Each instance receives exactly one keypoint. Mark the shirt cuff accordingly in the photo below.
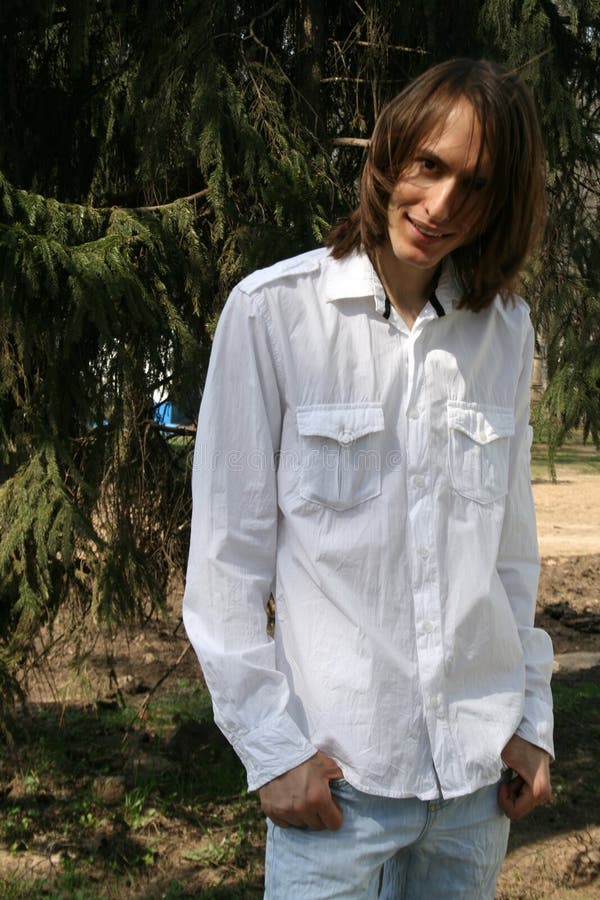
(271, 750)
(537, 725)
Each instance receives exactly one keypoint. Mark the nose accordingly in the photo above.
(441, 201)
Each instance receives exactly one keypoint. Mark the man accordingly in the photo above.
(363, 454)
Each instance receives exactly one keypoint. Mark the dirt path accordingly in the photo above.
(554, 854)
(568, 514)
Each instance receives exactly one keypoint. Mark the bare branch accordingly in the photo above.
(196, 196)
(357, 79)
(350, 142)
(141, 711)
(400, 47)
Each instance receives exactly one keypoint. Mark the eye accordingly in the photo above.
(428, 164)
(475, 185)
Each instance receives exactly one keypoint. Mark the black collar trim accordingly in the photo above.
(433, 300)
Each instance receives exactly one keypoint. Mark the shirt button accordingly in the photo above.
(481, 437)
(423, 552)
(427, 627)
(345, 437)
(413, 413)
(419, 481)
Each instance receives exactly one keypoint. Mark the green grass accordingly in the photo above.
(121, 851)
(66, 885)
(573, 701)
(199, 790)
(574, 456)
(184, 700)
(577, 737)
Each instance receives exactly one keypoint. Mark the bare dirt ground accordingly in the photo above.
(153, 807)
(568, 514)
(555, 853)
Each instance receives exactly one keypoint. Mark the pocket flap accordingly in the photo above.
(483, 424)
(340, 422)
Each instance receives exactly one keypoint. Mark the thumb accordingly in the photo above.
(329, 768)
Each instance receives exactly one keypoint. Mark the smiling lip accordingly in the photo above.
(426, 232)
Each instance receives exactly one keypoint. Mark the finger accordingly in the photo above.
(301, 822)
(314, 822)
(330, 768)
(306, 815)
(283, 817)
(542, 788)
(508, 792)
(523, 805)
(326, 813)
(516, 798)
(331, 814)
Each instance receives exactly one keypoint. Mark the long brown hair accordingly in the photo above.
(514, 199)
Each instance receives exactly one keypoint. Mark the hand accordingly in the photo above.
(301, 797)
(531, 786)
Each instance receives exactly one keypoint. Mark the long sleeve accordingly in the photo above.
(518, 567)
(231, 566)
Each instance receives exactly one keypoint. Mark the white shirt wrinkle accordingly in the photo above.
(377, 481)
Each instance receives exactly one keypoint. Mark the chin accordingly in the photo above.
(419, 261)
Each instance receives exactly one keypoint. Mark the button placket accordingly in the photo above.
(421, 524)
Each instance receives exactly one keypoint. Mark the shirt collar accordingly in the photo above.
(354, 278)
(351, 278)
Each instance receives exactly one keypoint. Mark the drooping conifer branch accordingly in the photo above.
(106, 308)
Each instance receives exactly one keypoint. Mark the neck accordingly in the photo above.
(408, 287)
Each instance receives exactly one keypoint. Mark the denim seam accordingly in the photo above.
(431, 815)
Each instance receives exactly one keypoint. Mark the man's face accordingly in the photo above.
(436, 206)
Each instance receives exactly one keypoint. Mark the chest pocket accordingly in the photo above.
(479, 449)
(341, 453)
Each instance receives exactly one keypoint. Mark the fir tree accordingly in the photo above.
(556, 46)
(182, 160)
(154, 153)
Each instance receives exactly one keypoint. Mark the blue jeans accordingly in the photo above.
(392, 850)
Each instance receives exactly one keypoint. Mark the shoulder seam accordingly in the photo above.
(261, 278)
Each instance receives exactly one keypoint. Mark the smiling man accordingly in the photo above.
(374, 395)
(434, 208)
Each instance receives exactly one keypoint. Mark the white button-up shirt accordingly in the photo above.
(376, 480)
